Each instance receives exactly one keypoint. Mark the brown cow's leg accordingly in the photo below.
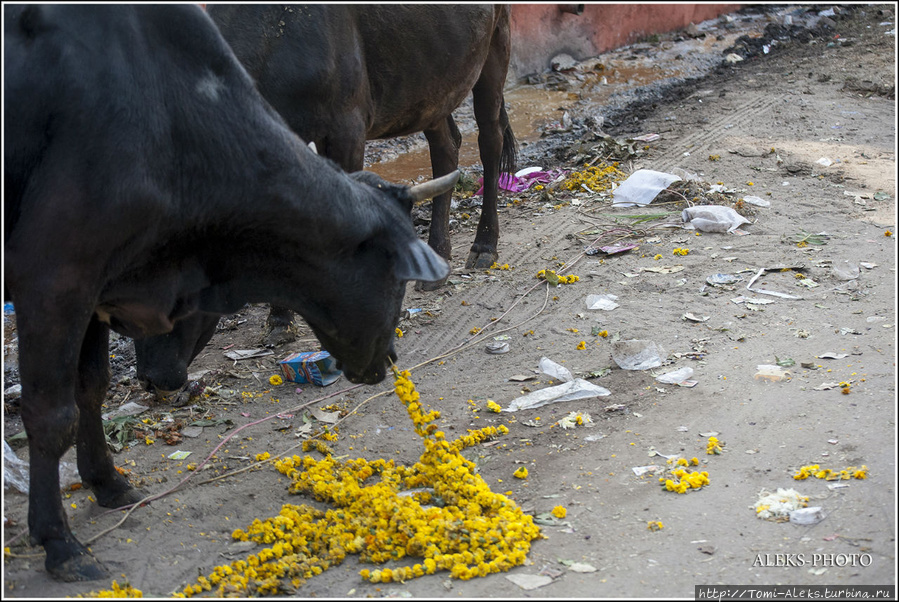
(94, 460)
(50, 417)
(444, 141)
(493, 125)
(277, 327)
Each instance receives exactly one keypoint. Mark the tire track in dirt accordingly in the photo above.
(707, 135)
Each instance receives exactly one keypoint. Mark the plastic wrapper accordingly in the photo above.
(637, 355)
(712, 218)
(570, 391)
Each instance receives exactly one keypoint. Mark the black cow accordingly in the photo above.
(146, 181)
(341, 74)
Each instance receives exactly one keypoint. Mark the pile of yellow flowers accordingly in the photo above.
(469, 530)
(554, 279)
(597, 179)
(685, 479)
(714, 446)
(117, 591)
(680, 251)
(816, 471)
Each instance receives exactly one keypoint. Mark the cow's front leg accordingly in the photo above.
(94, 460)
(444, 141)
(50, 417)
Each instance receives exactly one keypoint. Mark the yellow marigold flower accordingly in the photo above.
(581, 346)
(493, 406)
(713, 446)
(887, 233)
(521, 473)
(399, 333)
(559, 512)
(861, 473)
(658, 256)
(275, 380)
(655, 525)
(474, 330)
(263, 456)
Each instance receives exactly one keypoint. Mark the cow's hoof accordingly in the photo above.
(429, 286)
(118, 496)
(481, 260)
(278, 335)
(71, 561)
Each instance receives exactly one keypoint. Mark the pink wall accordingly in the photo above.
(541, 31)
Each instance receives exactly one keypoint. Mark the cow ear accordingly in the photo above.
(418, 261)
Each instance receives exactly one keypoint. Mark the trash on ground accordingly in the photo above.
(570, 391)
(673, 269)
(497, 347)
(712, 218)
(179, 455)
(246, 354)
(581, 567)
(827, 386)
(723, 279)
(129, 409)
(642, 470)
(825, 161)
(612, 249)
(16, 473)
(805, 238)
(757, 201)
(751, 300)
(641, 188)
(595, 437)
(529, 582)
(317, 367)
(676, 377)
(767, 292)
(637, 355)
(575, 419)
(772, 373)
(604, 302)
(519, 378)
(557, 371)
(807, 516)
(694, 318)
(778, 506)
(846, 271)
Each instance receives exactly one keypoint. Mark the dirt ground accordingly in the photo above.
(760, 127)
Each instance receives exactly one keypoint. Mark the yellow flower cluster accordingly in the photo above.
(399, 333)
(560, 512)
(714, 446)
(814, 470)
(655, 525)
(679, 251)
(553, 278)
(493, 406)
(469, 530)
(275, 380)
(597, 179)
(521, 473)
(504, 267)
(581, 346)
(117, 591)
(688, 480)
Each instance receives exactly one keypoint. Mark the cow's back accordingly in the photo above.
(402, 68)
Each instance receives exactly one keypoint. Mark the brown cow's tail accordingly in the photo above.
(509, 157)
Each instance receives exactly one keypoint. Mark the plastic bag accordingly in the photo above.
(712, 218)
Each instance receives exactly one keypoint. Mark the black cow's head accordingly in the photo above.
(358, 301)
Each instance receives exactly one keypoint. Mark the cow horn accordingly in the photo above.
(435, 187)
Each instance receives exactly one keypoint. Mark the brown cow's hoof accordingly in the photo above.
(71, 561)
(482, 260)
(277, 336)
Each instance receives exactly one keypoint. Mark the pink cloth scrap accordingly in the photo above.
(514, 183)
